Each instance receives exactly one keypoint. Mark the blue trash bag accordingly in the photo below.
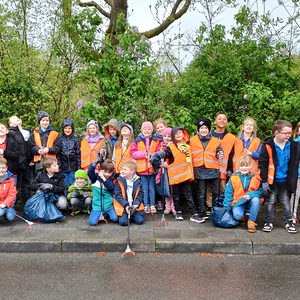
(218, 201)
(222, 217)
(163, 187)
(40, 208)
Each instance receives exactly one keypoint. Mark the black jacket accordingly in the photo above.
(69, 155)
(292, 173)
(11, 154)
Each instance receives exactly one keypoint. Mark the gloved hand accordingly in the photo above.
(75, 194)
(46, 187)
(266, 189)
(99, 159)
(131, 209)
(85, 194)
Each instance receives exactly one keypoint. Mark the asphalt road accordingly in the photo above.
(148, 276)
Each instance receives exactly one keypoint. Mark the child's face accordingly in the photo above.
(107, 173)
(93, 130)
(248, 127)
(160, 128)
(245, 169)
(179, 136)
(125, 131)
(3, 169)
(3, 130)
(127, 173)
(15, 121)
(68, 130)
(284, 135)
(112, 131)
(221, 121)
(80, 181)
(45, 122)
(54, 168)
(203, 130)
(167, 138)
(146, 131)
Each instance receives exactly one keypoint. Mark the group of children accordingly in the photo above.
(115, 175)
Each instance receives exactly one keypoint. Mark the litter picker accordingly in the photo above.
(128, 250)
(163, 219)
(13, 213)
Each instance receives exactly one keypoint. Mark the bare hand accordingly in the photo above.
(247, 197)
(2, 205)
(221, 154)
(247, 152)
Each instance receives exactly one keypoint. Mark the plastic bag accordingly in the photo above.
(40, 208)
(162, 186)
(222, 217)
(218, 201)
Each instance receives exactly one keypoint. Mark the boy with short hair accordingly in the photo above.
(129, 195)
(8, 191)
(278, 164)
(103, 188)
(51, 180)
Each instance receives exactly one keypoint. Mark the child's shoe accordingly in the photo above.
(251, 226)
(166, 211)
(74, 213)
(290, 227)
(208, 211)
(179, 216)
(153, 209)
(196, 218)
(204, 215)
(267, 227)
(147, 210)
(159, 205)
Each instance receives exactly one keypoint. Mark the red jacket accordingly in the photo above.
(8, 191)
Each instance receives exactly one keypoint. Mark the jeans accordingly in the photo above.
(138, 218)
(278, 189)
(95, 215)
(252, 205)
(69, 180)
(9, 216)
(151, 187)
(201, 191)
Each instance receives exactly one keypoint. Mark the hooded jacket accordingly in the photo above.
(107, 144)
(8, 190)
(11, 154)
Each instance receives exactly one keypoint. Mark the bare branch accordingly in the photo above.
(96, 5)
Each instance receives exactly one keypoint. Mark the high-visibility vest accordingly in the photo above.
(120, 157)
(180, 170)
(238, 189)
(50, 142)
(239, 152)
(119, 209)
(143, 164)
(207, 156)
(88, 155)
(226, 143)
(271, 167)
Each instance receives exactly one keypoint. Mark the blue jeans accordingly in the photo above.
(95, 215)
(151, 188)
(252, 205)
(9, 216)
(138, 218)
(69, 180)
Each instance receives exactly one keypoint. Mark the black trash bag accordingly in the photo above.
(162, 184)
(222, 217)
(40, 208)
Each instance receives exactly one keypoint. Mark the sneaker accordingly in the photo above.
(153, 209)
(196, 218)
(204, 215)
(208, 211)
(159, 205)
(290, 227)
(147, 209)
(179, 216)
(251, 226)
(267, 227)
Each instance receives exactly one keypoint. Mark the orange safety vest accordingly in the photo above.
(271, 167)
(207, 156)
(144, 164)
(119, 209)
(88, 155)
(180, 170)
(239, 152)
(120, 157)
(50, 142)
(226, 143)
(238, 189)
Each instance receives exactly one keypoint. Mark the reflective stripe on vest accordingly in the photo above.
(88, 155)
(227, 144)
(50, 142)
(271, 167)
(121, 158)
(143, 164)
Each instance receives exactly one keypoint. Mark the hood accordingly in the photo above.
(114, 123)
(186, 136)
(67, 122)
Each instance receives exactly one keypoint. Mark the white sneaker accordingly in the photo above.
(290, 227)
(267, 227)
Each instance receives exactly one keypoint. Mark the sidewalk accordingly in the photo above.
(75, 235)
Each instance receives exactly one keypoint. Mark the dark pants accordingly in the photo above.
(201, 192)
(186, 190)
(23, 183)
(278, 189)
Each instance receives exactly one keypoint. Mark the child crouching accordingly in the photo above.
(129, 195)
(103, 188)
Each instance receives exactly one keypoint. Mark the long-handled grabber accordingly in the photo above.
(13, 213)
(101, 218)
(163, 219)
(128, 250)
(148, 178)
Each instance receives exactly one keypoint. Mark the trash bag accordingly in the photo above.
(40, 208)
(218, 201)
(222, 217)
(162, 185)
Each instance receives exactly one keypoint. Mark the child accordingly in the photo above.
(80, 193)
(69, 155)
(122, 147)
(243, 192)
(90, 145)
(247, 144)
(180, 171)
(141, 150)
(45, 141)
(295, 196)
(278, 164)
(159, 126)
(103, 188)
(8, 191)
(50, 179)
(206, 150)
(112, 132)
(129, 195)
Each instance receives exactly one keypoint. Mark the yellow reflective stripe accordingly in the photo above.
(270, 176)
(85, 153)
(223, 170)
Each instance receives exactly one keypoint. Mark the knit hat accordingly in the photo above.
(167, 130)
(204, 121)
(81, 174)
(92, 122)
(147, 124)
(114, 123)
(42, 114)
(126, 125)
